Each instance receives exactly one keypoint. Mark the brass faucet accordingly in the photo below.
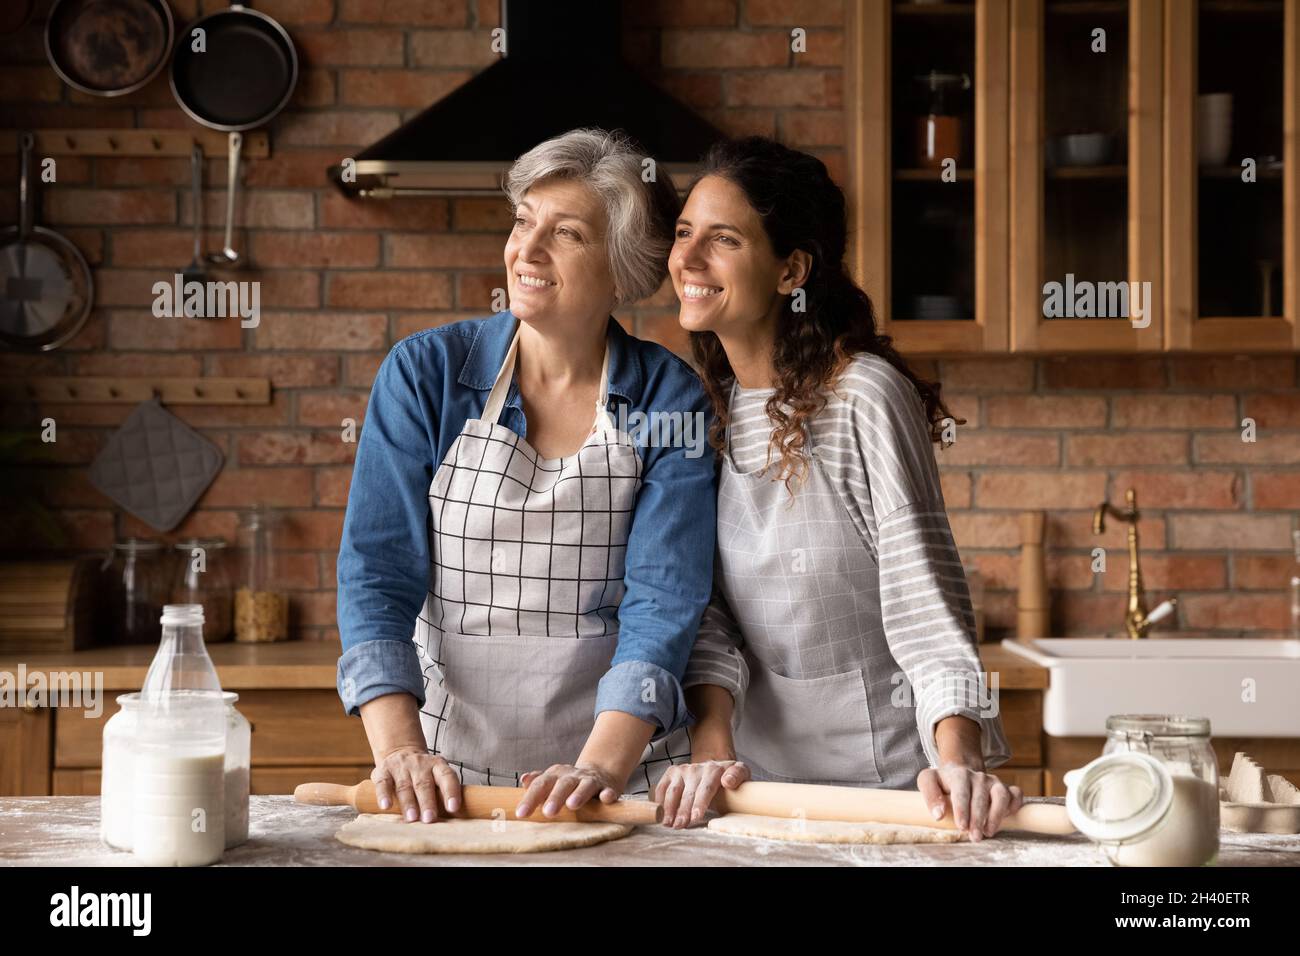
(1136, 620)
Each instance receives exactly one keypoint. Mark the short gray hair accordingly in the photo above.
(642, 215)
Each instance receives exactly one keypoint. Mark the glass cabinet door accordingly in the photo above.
(927, 96)
(1231, 172)
(1085, 192)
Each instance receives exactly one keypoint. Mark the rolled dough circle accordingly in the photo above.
(392, 834)
(799, 830)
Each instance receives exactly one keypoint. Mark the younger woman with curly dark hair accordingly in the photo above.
(840, 639)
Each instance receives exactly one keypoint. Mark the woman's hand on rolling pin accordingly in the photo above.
(686, 790)
(415, 776)
(565, 785)
(980, 800)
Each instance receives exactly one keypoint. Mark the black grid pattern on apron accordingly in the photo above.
(511, 597)
(517, 593)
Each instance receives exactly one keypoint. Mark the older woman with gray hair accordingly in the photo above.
(519, 580)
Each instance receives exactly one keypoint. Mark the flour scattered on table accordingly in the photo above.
(799, 830)
(390, 833)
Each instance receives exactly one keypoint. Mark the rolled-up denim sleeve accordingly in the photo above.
(668, 572)
(377, 667)
(383, 565)
(644, 690)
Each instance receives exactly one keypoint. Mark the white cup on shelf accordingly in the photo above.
(1213, 128)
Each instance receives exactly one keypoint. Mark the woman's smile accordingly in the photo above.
(694, 291)
(530, 282)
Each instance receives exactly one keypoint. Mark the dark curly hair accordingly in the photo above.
(801, 207)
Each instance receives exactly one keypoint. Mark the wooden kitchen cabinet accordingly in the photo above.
(286, 692)
(300, 732)
(1079, 166)
(931, 251)
(24, 750)
(1231, 247)
(1280, 755)
(294, 732)
(1085, 171)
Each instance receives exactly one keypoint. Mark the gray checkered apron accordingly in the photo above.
(804, 588)
(521, 619)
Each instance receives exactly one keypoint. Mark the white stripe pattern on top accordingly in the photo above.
(873, 442)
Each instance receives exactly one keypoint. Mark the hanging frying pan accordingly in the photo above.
(47, 286)
(108, 47)
(238, 73)
(14, 16)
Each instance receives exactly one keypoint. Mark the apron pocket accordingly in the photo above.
(520, 703)
(815, 730)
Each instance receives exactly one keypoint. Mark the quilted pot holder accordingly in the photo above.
(155, 466)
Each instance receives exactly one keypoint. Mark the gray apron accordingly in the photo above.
(804, 588)
(521, 619)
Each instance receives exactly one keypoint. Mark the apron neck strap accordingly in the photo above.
(726, 435)
(501, 387)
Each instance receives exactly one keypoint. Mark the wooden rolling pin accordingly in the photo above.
(482, 803)
(855, 805)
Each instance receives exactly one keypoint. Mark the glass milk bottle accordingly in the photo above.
(179, 813)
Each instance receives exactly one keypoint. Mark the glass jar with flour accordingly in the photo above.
(117, 780)
(1152, 797)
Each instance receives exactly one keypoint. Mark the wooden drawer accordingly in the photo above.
(303, 728)
(24, 751)
(1030, 782)
(1022, 721)
(85, 783)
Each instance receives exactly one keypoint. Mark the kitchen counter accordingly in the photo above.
(272, 666)
(312, 664)
(64, 831)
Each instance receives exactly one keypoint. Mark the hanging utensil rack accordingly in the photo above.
(135, 142)
(171, 391)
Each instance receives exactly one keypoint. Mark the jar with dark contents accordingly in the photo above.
(202, 577)
(136, 578)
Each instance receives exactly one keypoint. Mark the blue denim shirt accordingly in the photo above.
(425, 390)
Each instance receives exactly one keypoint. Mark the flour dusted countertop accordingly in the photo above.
(64, 831)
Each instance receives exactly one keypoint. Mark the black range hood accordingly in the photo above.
(562, 69)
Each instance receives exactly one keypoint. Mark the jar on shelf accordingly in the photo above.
(1152, 797)
(137, 580)
(203, 577)
(261, 605)
(117, 779)
(940, 130)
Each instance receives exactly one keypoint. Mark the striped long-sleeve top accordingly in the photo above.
(873, 442)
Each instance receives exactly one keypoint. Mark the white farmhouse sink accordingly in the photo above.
(1247, 687)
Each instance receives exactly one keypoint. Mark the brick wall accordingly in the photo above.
(343, 280)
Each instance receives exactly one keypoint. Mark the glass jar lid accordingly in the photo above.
(137, 545)
(1119, 796)
(207, 544)
(260, 516)
(136, 698)
(1157, 725)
